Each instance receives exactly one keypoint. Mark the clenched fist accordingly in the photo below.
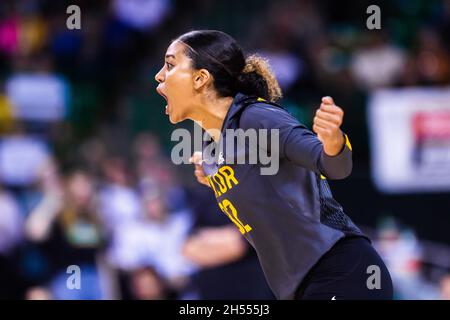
(327, 123)
(196, 159)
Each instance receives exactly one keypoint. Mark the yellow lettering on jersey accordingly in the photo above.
(227, 207)
(223, 180)
(228, 174)
(213, 186)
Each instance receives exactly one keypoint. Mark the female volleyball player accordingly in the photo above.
(307, 246)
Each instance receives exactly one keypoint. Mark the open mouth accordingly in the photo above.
(165, 97)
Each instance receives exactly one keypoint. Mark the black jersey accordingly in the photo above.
(290, 217)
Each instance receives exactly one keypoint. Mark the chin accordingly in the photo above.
(176, 118)
(172, 121)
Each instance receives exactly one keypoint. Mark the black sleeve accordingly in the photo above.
(297, 143)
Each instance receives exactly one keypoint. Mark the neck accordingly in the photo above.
(211, 114)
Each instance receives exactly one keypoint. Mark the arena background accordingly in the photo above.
(86, 179)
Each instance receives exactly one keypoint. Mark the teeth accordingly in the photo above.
(167, 112)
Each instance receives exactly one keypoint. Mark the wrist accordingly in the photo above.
(335, 147)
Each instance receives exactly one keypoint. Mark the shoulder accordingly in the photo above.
(265, 115)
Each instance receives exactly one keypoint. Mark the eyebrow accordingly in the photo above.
(170, 56)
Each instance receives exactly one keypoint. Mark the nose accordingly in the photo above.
(159, 76)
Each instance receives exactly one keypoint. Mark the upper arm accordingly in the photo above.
(296, 142)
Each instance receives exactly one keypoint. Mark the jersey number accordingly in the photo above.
(227, 207)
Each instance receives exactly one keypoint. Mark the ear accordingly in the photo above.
(201, 78)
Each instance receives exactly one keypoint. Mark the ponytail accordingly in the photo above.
(258, 79)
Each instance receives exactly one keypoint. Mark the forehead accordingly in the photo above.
(176, 50)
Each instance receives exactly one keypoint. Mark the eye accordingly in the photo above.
(169, 65)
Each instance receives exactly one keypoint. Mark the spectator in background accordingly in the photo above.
(154, 239)
(432, 59)
(286, 65)
(21, 157)
(43, 203)
(38, 95)
(154, 170)
(119, 202)
(377, 64)
(92, 153)
(147, 284)
(49, 203)
(74, 237)
(6, 114)
(11, 222)
(402, 253)
(142, 15)
(9, 35)
(150, 165)
(33, 33)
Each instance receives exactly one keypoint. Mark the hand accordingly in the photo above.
(199, 173)
(214, 246)
(327, 123)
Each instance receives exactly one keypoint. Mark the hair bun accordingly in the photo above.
(257, 76)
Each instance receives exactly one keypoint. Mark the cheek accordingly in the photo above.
(179, 84)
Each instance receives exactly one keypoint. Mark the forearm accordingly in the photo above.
(338, 166)
(215, 246)
(303, 148)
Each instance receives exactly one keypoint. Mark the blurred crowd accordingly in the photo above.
(127, 223)
(85, 173)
